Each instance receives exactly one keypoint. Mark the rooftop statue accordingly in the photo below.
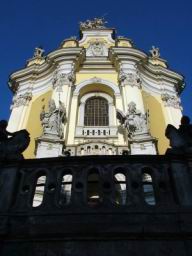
(155, 53)
(53, 119)
(133, 120)
(39, 51)
(180, 139)
(12, 144)
(96, 23)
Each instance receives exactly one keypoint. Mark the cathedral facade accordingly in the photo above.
(96, 95)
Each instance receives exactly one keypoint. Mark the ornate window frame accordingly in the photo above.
(81, 112)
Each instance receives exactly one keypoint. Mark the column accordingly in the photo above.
(72, 119)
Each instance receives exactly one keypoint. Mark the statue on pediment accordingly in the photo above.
(96, 23)
(38, 53)
(134, 120)
(155, 53)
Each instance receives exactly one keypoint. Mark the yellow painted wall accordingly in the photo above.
(112, 77)
(34, 124)
(157, 122)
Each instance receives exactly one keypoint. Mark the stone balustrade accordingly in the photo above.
(95, 197)
(96, 131)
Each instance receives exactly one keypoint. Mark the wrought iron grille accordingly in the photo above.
(96, 112)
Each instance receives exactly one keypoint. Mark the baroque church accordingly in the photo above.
(102, 98)
(95, 95)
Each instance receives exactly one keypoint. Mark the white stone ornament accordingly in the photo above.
(96, 80)
(155, 53)
(52, 121)
(63, 79)
(171, 101)
(134, 121)
(21, 100)
(97, 49)
(131, 79)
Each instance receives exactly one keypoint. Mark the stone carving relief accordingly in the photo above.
(134, 121)
(96, 23)
(171, 101)
(96, 80)
(21, 100)
(131, 79)
(63, 79)
(53, 120)
(97, 48)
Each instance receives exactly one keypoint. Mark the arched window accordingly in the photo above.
(149, 196)
(120, 188)
(65, 192)
(39, 191)
(96, 112)
(93, 188)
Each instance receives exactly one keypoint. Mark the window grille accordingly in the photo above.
(96, 112)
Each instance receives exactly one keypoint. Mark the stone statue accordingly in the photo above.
(53, 120)
(133, 120)
(96, 23)
(12, 144)
(155, 53)
(180, 139)
(38, 52)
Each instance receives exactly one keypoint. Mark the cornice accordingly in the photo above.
(117, 54)
(156, 72)
(72, 54)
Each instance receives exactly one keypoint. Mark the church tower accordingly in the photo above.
(96, 95)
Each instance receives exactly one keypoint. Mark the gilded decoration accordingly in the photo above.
(96, 23)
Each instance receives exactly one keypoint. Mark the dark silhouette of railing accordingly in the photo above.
(96, 197)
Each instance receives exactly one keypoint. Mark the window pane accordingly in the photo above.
(96, 112)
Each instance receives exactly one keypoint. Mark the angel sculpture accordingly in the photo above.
(134, 121)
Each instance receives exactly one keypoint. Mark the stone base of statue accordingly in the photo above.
(49, 146)
(143, 144)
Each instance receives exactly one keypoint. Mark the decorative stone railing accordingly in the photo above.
(95, 196)
(96, 131)
(166, 179)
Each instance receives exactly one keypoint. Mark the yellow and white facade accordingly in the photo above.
(98, 69)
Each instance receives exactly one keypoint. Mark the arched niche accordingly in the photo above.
(86, 97)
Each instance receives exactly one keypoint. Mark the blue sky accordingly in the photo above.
(27, 24)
